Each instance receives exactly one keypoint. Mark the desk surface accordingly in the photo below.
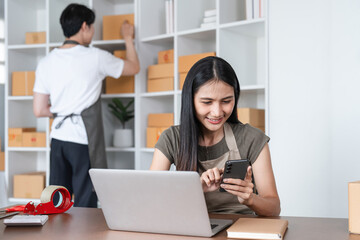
(89, 223)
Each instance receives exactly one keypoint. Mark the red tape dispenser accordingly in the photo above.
(46, 205)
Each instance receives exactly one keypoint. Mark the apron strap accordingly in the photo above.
(65, 117)
(231, 142)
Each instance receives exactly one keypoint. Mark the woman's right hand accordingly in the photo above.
(210, 180)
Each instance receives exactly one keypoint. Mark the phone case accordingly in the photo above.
(235, 169)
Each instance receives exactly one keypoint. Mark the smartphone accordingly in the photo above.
(235, 169)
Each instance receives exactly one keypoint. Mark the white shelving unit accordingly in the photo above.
(242, 42)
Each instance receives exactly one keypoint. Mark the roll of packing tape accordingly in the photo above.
(47, 206)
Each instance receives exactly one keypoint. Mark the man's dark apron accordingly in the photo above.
(92, 118)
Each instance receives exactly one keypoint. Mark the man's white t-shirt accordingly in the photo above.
(73, 79)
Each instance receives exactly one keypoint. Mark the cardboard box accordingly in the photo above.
(120, 54)
(51, 120)
(186, 62)
(161, 84)
(112, 25)
(124, 84)
(166, 56)
(165, 70)
(23, 83)
(182, 77)
(29, 185)
(34, 139)
(35, 37)
(354, 207)
(152, 135)
(160, 119)
(255, 117)
(2, 161)
(15, 136)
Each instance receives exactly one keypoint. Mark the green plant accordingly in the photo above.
(120, 111)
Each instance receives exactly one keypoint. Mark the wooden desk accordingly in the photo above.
(89, 223)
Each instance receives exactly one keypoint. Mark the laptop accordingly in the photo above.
(168, 202)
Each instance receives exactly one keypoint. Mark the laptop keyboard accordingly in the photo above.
(214, 226)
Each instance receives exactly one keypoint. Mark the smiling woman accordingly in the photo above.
(210, 134)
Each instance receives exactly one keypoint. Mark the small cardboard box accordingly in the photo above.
(166, 56)
(15, 136)
(182, 77)
(165, 70)
(255, 117)
(23, 83)
(161, 84)
(160, 119)
(112, 25)
(354, 207)
(29, 185)
(35, 37)
(186, 62)
(2, 161)
(120, 54)
(124, 84)
(152, 136)
(34, 139)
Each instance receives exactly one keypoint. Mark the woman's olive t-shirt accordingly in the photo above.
(250, 141)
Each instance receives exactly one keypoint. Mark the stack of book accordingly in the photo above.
(209, 19)
(169, 12)
(254, 9)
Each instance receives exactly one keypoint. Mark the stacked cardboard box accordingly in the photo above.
(2, 159)
(186, 62)
(161, 75)
(26, 137)
(29, 185)
(124, 84)
(157, 123)
(354, 207)
(254, 117)
(35, 37)
(22, 83)
(112, 25)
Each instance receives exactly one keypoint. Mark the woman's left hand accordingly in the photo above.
(243, 189)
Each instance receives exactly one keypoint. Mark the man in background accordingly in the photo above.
(70, 78)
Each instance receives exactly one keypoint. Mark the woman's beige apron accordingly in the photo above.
(223, 201)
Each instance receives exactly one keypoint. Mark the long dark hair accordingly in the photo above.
(203, 71)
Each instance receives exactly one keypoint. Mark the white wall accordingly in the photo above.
(314, 50)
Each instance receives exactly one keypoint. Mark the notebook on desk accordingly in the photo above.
(166, 202)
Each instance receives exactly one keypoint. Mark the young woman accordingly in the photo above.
(210, 134)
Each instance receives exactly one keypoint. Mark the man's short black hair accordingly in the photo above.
(73, 17)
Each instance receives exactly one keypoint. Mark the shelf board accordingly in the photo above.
(164, 38)
(20, 98)
(254, 27)
(157, 94)
(57, 44)
(27, 149)
(147, 149)
(247, 88)
(26, 46)
(116, 149)
(199, 33)
(23, 200)
(107, 42)
(252, 88)
(119, 95)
